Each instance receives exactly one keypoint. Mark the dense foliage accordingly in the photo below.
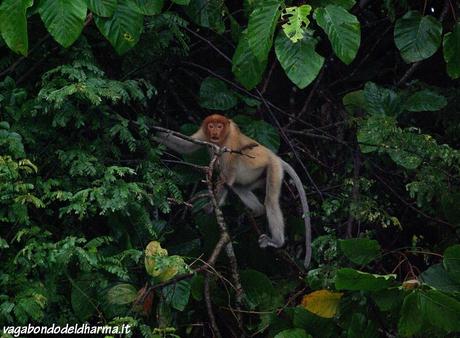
(100, 224)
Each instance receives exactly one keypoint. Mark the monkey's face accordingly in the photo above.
(216, 131)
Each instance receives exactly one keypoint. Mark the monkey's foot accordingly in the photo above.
(265, 241)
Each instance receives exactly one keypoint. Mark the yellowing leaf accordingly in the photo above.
(154, 249)
(323, 303)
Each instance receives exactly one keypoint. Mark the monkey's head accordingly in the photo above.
(216, 128)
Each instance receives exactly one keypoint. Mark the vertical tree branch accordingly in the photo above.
(228, 249)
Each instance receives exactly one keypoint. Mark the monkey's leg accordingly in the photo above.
(250, 200)
(272, 206)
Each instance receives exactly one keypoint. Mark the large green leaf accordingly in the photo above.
(343, 30)
(417, 37)
(437, 277)
(64, 19)
(177, 294)
(214, 94)
(451, 49)
(148, 7)
(315, 325)
(259, 290)
(13, 24)
(381, 101)
(123, 29)
(354, 280)
(440, 310)
(103, 8)
(207, 13)
(404, 158)
(410, 320)
(451, 262)
(361, 326)
(425, 100)
(360, 250)
(247, 69)
(421, 307)
(297, 21)
(299, 60)
(261, 27)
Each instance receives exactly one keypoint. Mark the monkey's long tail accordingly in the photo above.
(305, 208)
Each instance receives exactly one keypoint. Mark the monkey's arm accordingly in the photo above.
(180, 145)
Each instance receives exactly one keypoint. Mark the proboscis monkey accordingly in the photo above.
(243, 174)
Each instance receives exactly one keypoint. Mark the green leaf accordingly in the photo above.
(181, 2)
(451, 262)
(315, 325)
(388, 299)
(354, 280)
(123, 29)
(421, 307)
(381, 101)
(214, 94)
(261, 27)
(293, 333)
(404, 158)
(437, 277)
(360, 250)
(177, 294)
(343, 30)
(64, 19)
(245, 66)
(297, 21)
(13, 24)
(122, 294)
(451, 51)
(347, 4)
(417, 37)
(425, 100)
(440, 310)
(299, 60)
(148, 7)
(259, 290)
(103, 8)
(361, 326)
(207, 13)
(410, 320)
